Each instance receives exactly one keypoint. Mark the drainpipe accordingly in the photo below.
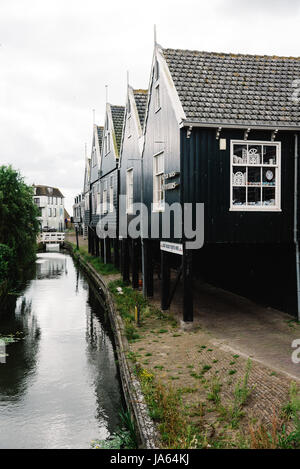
(296, 241)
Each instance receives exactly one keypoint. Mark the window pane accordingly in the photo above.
(254, 154)
(269, 177)
(239, 196)
(254, 176)
(254, 196)
(269, 156)
(239, 176)
(239, 154)
(268, 195)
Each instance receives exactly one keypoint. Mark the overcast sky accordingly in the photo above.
(57, 56)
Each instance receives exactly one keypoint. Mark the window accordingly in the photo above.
(158, 173)
(106, 138)
(98, 203)
(105, 197)
(129, 125)
(129, 191)
(54, 212)
(111, 195)
(255, 175)
(157, 98)
(37, 201)
(50, 212)
(94, 157)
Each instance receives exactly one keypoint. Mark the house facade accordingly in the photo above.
(108, 187)
(50, 202)
(130, 180)
(222, 136)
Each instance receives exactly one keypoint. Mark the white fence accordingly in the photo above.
(49, 237)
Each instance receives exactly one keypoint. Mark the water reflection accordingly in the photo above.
(59, 387)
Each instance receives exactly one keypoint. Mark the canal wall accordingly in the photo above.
(131, 387)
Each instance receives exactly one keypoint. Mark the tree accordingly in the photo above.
(18, 220)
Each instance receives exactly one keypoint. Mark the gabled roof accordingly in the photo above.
(235, 89)
(117, 113)
(140, 97)
(100, 135)
(47, 190)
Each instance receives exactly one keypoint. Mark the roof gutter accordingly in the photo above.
(214, 125)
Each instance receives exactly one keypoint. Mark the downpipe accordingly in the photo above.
(296, 241)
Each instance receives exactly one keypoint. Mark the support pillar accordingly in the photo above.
(148, 269)
(125, 260)
(165, 280)
(97, 251)
(107, 250)
(135, 263)
(187, 277)
(116, 252)
(102, 249)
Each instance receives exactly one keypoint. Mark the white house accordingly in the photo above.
(51, 205)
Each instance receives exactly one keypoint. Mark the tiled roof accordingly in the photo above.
(100, 135)
(117, 113)
(235, 89)
(47, 190)
(140, 97)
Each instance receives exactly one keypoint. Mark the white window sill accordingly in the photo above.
(255, 209)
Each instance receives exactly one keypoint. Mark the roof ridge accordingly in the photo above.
(231, 54)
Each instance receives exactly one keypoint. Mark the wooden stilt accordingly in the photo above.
(116, 253)
(148, 269)
(187, 276)
(102, 249)
(107, 250)
(165, 280)
(89, 240)
(97, 251)
(125, 260)
(135, 263)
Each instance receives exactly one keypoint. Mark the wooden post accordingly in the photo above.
(125, 260)
(77, 241)
(107, 250)
(148, 269)
(89, 240)
(135, 263)
(116, 253)
(97, 252)
(102, 249)
(187, 276)
(165, 280)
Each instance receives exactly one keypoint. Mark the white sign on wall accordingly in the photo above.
(175, 248)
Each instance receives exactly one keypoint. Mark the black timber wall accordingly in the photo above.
(250, 253)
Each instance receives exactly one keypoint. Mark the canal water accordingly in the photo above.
(59, 387)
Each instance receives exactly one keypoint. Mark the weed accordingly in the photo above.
(214, 394)
(231, 372)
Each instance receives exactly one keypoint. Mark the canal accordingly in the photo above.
(59, 387)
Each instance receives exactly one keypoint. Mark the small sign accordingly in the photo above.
(175, 248)
(170, 175)
(170, 186)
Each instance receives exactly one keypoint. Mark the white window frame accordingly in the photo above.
(129, 191)
(104, 200)
(158, 180)
(111, 194)
(276, 167)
